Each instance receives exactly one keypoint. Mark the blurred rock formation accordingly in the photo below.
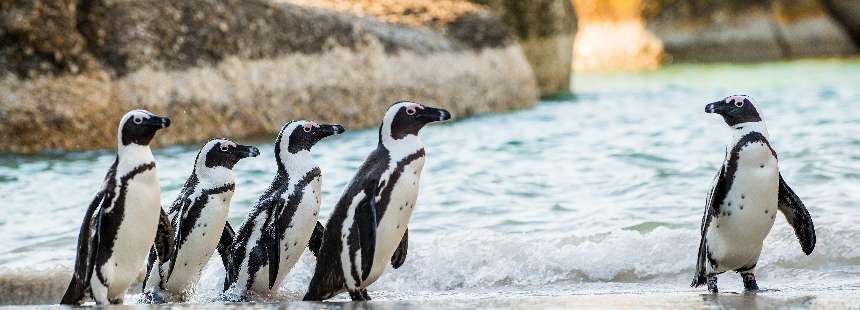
(70, 68)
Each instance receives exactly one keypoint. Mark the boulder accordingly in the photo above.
(545, 29)
(237, 68)
(636, 34)
(847, 13)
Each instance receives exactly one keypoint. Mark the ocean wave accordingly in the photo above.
(487, 260)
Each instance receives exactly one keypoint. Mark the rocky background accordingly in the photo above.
(71, 68)
(643, 34)
(231, 68)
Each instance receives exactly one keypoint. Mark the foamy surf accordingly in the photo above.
(484, 260)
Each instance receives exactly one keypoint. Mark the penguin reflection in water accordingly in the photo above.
(199, 220)
(367, 230)
(120, 224)
(742, 205)
(283, 221)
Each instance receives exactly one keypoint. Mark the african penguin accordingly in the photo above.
(746, 194)
(120, 224)
(368, 228)
(283, 221)
(199, 220)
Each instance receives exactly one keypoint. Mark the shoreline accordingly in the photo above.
(843, 298)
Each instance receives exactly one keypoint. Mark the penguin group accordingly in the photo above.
(125, 228)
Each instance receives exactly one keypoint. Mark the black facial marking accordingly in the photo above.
(405, 124)
(140, 129)
(300, 140)
(216, 156)
(226, 155)
(303, 138)
(410, 119)
(735, 112)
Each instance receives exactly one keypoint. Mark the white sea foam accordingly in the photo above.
(486, 260)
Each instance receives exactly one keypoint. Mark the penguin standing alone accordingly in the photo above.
(120, 224)
(199, 220)
(367, 229)
(284, 219)
(742, 205)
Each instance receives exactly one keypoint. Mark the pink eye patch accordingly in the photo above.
(310, 125)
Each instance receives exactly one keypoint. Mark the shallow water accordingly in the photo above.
(601, 193)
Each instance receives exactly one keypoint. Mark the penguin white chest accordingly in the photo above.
(296, 236)
(136, 232)
(747, 213)
(298, 233)
(393, 224)
(194, 253)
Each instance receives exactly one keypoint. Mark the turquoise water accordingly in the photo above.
(600, 193)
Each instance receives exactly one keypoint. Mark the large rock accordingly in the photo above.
(236, 68)
(545, 29)
(612, 36)
(847, 13)
(745, 30)
(634, 34)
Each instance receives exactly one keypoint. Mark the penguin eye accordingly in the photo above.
(307, 129)
(410, 111)
(739, 104)
(137, 120)
(224, 148)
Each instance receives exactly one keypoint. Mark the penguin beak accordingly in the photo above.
(719, 107)
(430, 114)
(159, 122)
(328, 130)
(245, 151)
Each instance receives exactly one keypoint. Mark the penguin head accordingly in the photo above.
(736, 109)
(300, 135)
(139, 126)
(224, 153)
(405, 118)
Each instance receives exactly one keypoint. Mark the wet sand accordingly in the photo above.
(836, 299)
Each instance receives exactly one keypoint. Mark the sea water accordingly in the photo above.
(599, 193)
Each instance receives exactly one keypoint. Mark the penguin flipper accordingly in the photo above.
(224, 244)
(315, 243)
(87, 246)
(273, 248)
(366, 223)
(164, 243)
(399, 256)
(797, 216)
(718, 192)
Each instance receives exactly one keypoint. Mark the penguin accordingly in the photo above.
(368, 227)
(120, 224)
(284, 220)
(199, 220)
(743, 201)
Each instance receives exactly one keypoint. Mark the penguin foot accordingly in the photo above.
(151, 297)
(712, 283)
(234, 297)
(360, 295)
(749, 283)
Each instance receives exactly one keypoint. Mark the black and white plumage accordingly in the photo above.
(368, 228)
(747, 192)
(120, 224)
(199, 220)
(284, 220)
